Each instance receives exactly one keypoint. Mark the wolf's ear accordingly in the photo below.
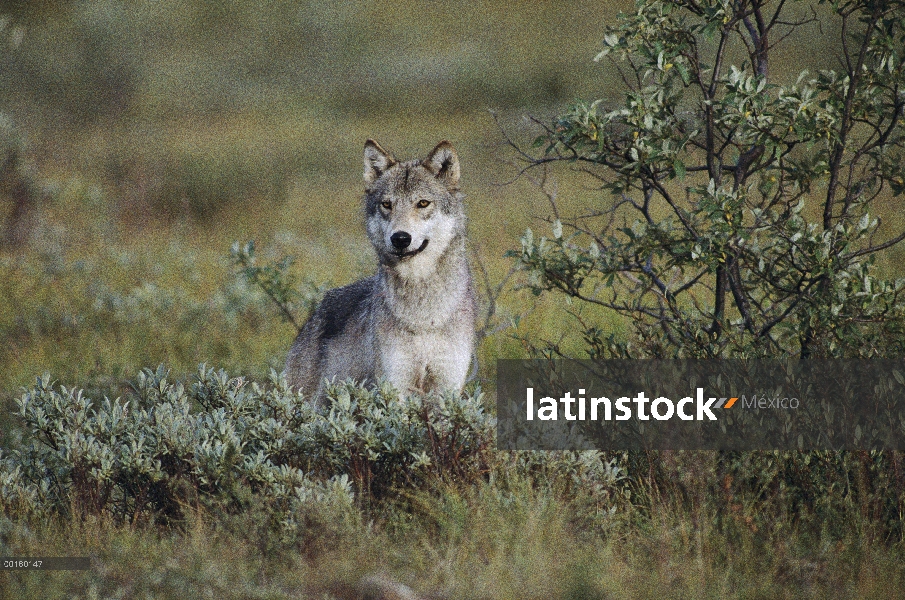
(443, 162)
(377, 161)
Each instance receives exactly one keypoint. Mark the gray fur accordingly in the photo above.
(413, 322)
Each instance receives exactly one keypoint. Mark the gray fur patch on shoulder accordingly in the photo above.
(339, 304)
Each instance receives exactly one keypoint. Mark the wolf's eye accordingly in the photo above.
(423, 203)
(386, 205)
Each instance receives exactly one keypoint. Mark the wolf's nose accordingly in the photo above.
(401, 240)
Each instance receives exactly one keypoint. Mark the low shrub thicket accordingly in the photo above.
(221, 441)
(260, 459)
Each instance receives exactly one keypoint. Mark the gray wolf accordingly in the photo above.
(413, 322)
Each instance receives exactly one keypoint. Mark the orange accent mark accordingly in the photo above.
(730, 403)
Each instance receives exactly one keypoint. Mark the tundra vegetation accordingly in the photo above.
(737, 207)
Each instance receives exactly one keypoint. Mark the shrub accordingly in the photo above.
(744, 216)
(275, 280)
(225, 443)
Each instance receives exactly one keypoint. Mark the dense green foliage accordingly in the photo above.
(220, 439)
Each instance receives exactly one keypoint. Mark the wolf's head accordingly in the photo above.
(413, 209)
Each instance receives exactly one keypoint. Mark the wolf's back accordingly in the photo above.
(338, 339)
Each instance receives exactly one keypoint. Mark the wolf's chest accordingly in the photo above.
(425, 360)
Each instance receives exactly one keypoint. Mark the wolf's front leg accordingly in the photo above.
(449, 369)
(400, 367)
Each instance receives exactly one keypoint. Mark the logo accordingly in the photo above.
(595, 409)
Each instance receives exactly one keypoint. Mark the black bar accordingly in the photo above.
(729, 404)
(44, 563)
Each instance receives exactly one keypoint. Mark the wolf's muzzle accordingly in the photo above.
(413, 252)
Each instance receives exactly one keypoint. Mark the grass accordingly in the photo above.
(483, 542)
